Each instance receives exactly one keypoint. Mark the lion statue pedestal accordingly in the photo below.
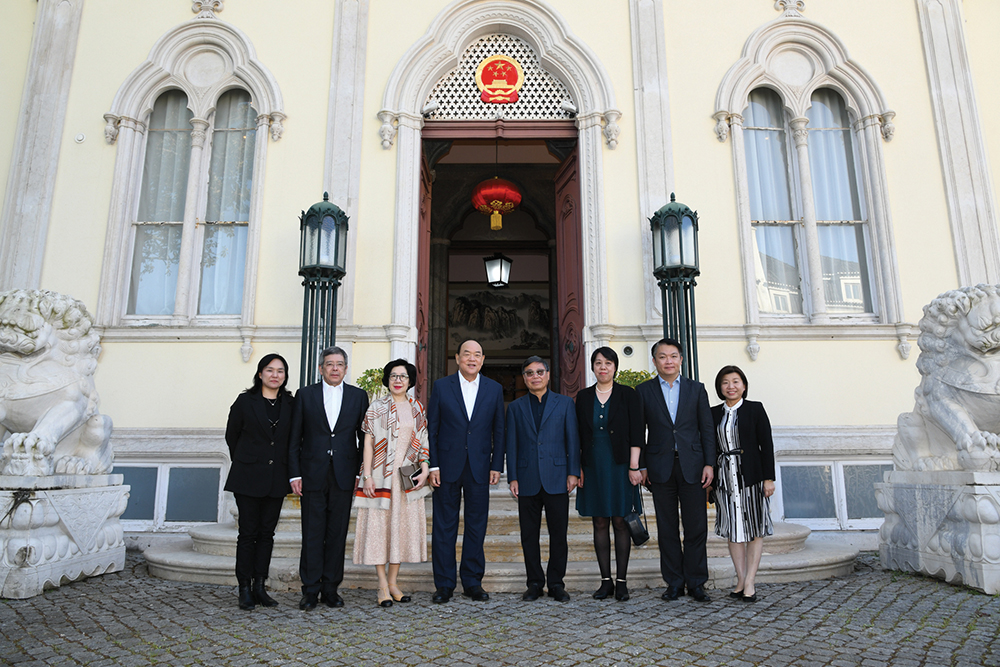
(59, 506)
(942, 501)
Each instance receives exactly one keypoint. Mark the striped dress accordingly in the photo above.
(742, 512)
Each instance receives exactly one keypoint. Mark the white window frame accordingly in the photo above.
(219, 57)
(794, 57)
(159, 523)
(841, 521)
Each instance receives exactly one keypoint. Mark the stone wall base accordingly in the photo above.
(54, 533)
(942, 524)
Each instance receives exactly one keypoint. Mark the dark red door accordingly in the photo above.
(569, 279)
(423, 280)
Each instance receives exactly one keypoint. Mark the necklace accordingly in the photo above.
(603, 391)
(272, 401)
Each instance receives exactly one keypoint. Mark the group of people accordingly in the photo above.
(334, 450)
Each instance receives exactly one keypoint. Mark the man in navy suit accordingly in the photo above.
(465, 434)
(323, 461)
(543, 466)
(679, 454)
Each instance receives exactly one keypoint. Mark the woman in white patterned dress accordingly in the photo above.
(744, 478)
(391, 523)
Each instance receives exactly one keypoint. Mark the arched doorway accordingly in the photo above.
(540, 312)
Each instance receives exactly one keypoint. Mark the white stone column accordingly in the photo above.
(342, 166)
(971, 200)
(818, 297)
(652, 129)
(27, 206)
(182, 300)
(406, 254)
(592, 233)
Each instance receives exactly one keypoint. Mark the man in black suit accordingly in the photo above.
(465, 437)
(323, 461)
(679, 454)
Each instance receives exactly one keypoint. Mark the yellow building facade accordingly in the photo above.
(154, 161)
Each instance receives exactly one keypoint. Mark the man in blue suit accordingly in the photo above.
(679, 456)
(465, 434)
(543, 466)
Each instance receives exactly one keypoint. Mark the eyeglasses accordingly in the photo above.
(397, 376)
(531, 374)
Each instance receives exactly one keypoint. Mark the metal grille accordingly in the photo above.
(540, 97)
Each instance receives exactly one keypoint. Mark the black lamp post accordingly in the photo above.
(675, 265)
(322, 263)
(497, 270)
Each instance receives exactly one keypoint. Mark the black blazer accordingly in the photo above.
(624, 422)
(693, 433)
(313, 446)
(753, 429)
(259, 460)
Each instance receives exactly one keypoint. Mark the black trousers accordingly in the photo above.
(690, 565)
(257, 520)
(529, 514)
(325, 518)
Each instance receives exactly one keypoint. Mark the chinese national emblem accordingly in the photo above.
(499, 78)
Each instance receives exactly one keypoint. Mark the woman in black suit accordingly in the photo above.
(257, 435)
(744, 478)
(609, 416)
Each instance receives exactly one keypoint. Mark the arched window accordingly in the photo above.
(184, 227)
(807, 125)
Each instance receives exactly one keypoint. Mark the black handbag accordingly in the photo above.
(636, 522)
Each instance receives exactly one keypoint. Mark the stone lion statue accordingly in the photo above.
(49, 419)
(956, 420)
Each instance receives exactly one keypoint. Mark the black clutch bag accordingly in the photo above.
(636, 522)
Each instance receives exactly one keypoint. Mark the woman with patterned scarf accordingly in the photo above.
(391, 524)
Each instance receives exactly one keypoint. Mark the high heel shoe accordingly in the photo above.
(606, 589)
(738, 595)
(621, 590)
(384, 600)
(399, 598)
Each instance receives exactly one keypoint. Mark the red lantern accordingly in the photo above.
(496, 197)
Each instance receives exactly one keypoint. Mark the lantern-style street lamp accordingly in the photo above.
(322, 264)
(675, 266)
(497, 270)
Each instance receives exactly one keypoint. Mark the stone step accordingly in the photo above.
(178, 561)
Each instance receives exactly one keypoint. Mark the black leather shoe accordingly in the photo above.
(533, 593)
(736, 595)
(442, 595)
(698, 593)
(476, 593)
(558, 593)
(246, 597)
(672, 593)
(308, 601)
(749, 598)
(332, 599)
(606, 589)
(621, 590)
(260, 594)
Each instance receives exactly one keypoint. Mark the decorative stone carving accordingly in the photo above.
(721, 125)
(277, 127)
(388, 129)
(956, 420)
(942, 502)
(206, 9)
(611, 129)
(790, 7)
(49, 418)
(58, 510)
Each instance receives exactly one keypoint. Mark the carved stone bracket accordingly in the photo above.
(277, 126)
(246, 349)
(790, 7)
(903, 332)
(888, 129)
(753, 347)
(611, 128)
(722, 125)
(206, 9)
(388, 129)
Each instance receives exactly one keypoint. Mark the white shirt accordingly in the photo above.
(333, 398)
(469, 392)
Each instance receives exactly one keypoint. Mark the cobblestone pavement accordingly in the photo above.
(870, 618)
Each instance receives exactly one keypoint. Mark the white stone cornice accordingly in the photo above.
(968, 189)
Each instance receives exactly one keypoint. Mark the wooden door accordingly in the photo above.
(422, 390)
(568, 351)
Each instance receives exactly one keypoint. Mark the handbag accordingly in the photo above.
(407, 474)
(636, 522)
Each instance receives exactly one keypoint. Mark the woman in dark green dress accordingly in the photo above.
(609, 416)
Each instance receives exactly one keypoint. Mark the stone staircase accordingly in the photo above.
(209, 555)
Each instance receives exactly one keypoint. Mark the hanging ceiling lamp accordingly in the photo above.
(496, 196)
